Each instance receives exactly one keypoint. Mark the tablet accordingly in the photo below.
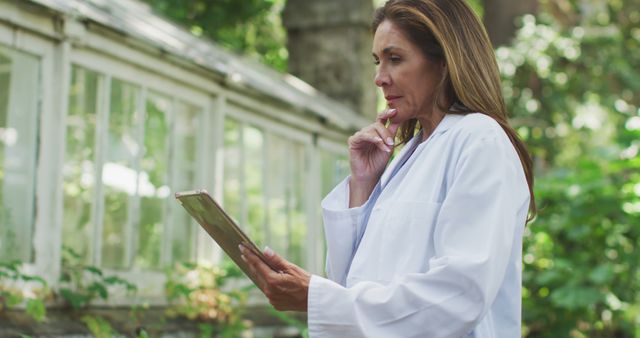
(201, 206)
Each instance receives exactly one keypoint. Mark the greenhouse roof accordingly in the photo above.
(135, 19)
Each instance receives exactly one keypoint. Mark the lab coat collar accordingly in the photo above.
(448, 121)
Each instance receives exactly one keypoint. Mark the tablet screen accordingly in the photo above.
(217, 223)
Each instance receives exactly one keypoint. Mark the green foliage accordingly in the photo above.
(573, 89)
(572, 83)
(14, 293)
(81, 284)
(250, 27)
(195, 293)
(581, 267)
(99, 327)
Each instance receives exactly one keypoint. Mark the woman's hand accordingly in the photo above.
(287, 289)
(369, 151)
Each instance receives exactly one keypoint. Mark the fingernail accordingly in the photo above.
(241, 247)
(392, 110)
(268, 251)
(389, 141)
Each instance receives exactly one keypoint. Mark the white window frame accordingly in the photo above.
(125, 60)
(150, 283)
(247, 116)
(46, 227)
(335, 148)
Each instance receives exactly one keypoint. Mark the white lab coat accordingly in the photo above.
(441, 256)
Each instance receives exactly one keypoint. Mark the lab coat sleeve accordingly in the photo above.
(340, 226)
(473, 238)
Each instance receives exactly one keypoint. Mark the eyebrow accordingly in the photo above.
(386, 50)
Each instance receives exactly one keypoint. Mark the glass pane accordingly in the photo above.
(19, 93)
(187, 128)
(119, 173)
(334, 169)
(152, 182)
(297, 212)
(279, 191)
(254, 158)
(231, 198)
(79, 167)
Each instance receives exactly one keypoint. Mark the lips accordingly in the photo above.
(391, 99)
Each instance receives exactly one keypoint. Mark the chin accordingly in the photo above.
(402, 116)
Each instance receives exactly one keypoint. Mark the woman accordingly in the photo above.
(429, 245)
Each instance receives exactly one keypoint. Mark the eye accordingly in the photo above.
(394, 58)
(376, 61)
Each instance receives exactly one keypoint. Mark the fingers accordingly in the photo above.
(277, 262)
(365, 138)
(384, 134)
(287, 290)
(386, 115)
(377, 133)
(259, 269)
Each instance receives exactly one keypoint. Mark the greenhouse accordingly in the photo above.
(107, 110)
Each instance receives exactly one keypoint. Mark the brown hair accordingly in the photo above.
(449, 30)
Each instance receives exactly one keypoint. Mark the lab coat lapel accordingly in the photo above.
(447, 121)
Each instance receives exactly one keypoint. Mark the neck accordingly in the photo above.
(429, 122)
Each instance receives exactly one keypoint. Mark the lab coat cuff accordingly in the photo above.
(325, 312)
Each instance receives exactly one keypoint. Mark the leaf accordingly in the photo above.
(38, 279)
(131, 287)
(602, 274)
(100, 289)
(71, 252)
(113, 280)
(94, 270)
(76, 300)
(13, 299)
(36, 309)
(573, 298)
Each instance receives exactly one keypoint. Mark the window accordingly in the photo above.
(19, 106)
(143, 145)
(119, 174)
(264, 187)
(188, 126)
(334, 167)
(153, 181)
(243, 196)
(79, 165)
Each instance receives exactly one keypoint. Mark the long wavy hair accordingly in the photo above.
(449, 31)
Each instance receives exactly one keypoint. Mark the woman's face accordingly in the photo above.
(406, 76)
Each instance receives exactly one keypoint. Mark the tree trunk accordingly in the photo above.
(329, 45)
(500, 16)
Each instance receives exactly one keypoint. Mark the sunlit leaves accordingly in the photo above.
(250, 27)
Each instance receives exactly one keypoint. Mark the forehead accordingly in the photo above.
(389, 36)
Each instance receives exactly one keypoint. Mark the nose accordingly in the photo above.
(382, 78)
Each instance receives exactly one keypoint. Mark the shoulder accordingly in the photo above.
(480, 137)
(477, 125)
(474, 128)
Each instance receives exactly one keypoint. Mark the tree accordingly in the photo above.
(500, 17)
(249, 27)
(571, 81)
